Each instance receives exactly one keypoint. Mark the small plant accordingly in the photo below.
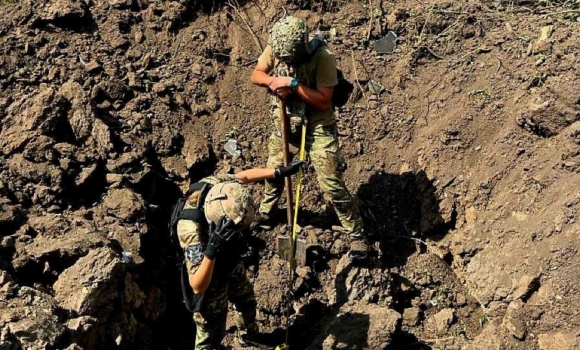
(482, 321)
(232, 134)
(477, 92)
(539, 79)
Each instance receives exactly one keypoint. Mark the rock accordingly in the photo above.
(470, 215)
(65, 12)
(10, 216)
(89, 287)
(124, 204)
(5, 277)
(40, 114)
(112, 90)
(515, 320)
(442, 320)
(195, 150)
(120, 4)
(461, 299)
(364, 326)
(527, 285)
(352, 282)
(488, 339)
(119, 42)
(542, 45)
(175, 166)
(130, 241)
(447, 209)
(84, 331)
(86, 175)
(558, 341)
(85, 126)
(28, 320)
(411, 316)
(93, 67)
(339, 247)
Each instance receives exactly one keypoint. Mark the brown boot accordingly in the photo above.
(359, 249)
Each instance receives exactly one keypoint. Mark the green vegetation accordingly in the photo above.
(5, 2)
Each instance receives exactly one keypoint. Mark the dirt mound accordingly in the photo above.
(463, 147)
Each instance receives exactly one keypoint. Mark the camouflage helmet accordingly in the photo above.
(289, 38)
(232, 200)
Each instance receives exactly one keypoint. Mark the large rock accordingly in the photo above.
(83, 331)
(124, 204)
(10, 216)
(195, 150)
(68, 12)
(28, 320)
(488, 339)
(558, 341)
(441, 321)
(39, 114)
(81, 116)
(364, 326)
(91, 285)
(515, 320)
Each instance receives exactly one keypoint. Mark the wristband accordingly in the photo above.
(294, 83)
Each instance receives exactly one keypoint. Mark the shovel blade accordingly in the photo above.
(285, 249)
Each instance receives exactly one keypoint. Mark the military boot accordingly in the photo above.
(359, 249)
(246, 337)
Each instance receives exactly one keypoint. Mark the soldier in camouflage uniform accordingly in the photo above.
(306, 80)
(213, 253)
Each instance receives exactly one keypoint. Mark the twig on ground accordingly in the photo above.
(560, 13)
(356, 74)
(236, 7)
(370, 21)
(428, 49)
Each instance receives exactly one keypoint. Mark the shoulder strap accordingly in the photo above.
(196, 215)
(316, 43)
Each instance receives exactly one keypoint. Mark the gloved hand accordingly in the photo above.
(289, 170)
(218, 236)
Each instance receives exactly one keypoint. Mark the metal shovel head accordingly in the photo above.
(285, 249)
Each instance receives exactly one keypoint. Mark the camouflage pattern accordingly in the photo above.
(211, 319)
(232, 200)
(229, 282)
(324, 150)
(289, 39)
(296, 108)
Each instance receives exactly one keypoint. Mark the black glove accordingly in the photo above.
(218, 236)
(289, 170)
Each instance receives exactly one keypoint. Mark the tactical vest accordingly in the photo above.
(222, 266)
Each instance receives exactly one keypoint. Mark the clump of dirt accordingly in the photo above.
(462, 146)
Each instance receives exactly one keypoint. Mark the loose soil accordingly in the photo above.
(465, 157)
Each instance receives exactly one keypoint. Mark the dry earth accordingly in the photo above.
(466, 162)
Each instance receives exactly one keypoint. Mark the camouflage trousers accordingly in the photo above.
(324, 151)
(210, 321)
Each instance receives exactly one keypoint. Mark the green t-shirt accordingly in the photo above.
(318, 72)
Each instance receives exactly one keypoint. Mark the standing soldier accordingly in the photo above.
(306, 80)
(216, 210)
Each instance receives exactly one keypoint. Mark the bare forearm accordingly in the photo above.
(255, 175)
(261, 78)
(201, 279)
(313, 97)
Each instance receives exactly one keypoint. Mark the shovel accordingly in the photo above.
(285, 241)
(285, 249)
